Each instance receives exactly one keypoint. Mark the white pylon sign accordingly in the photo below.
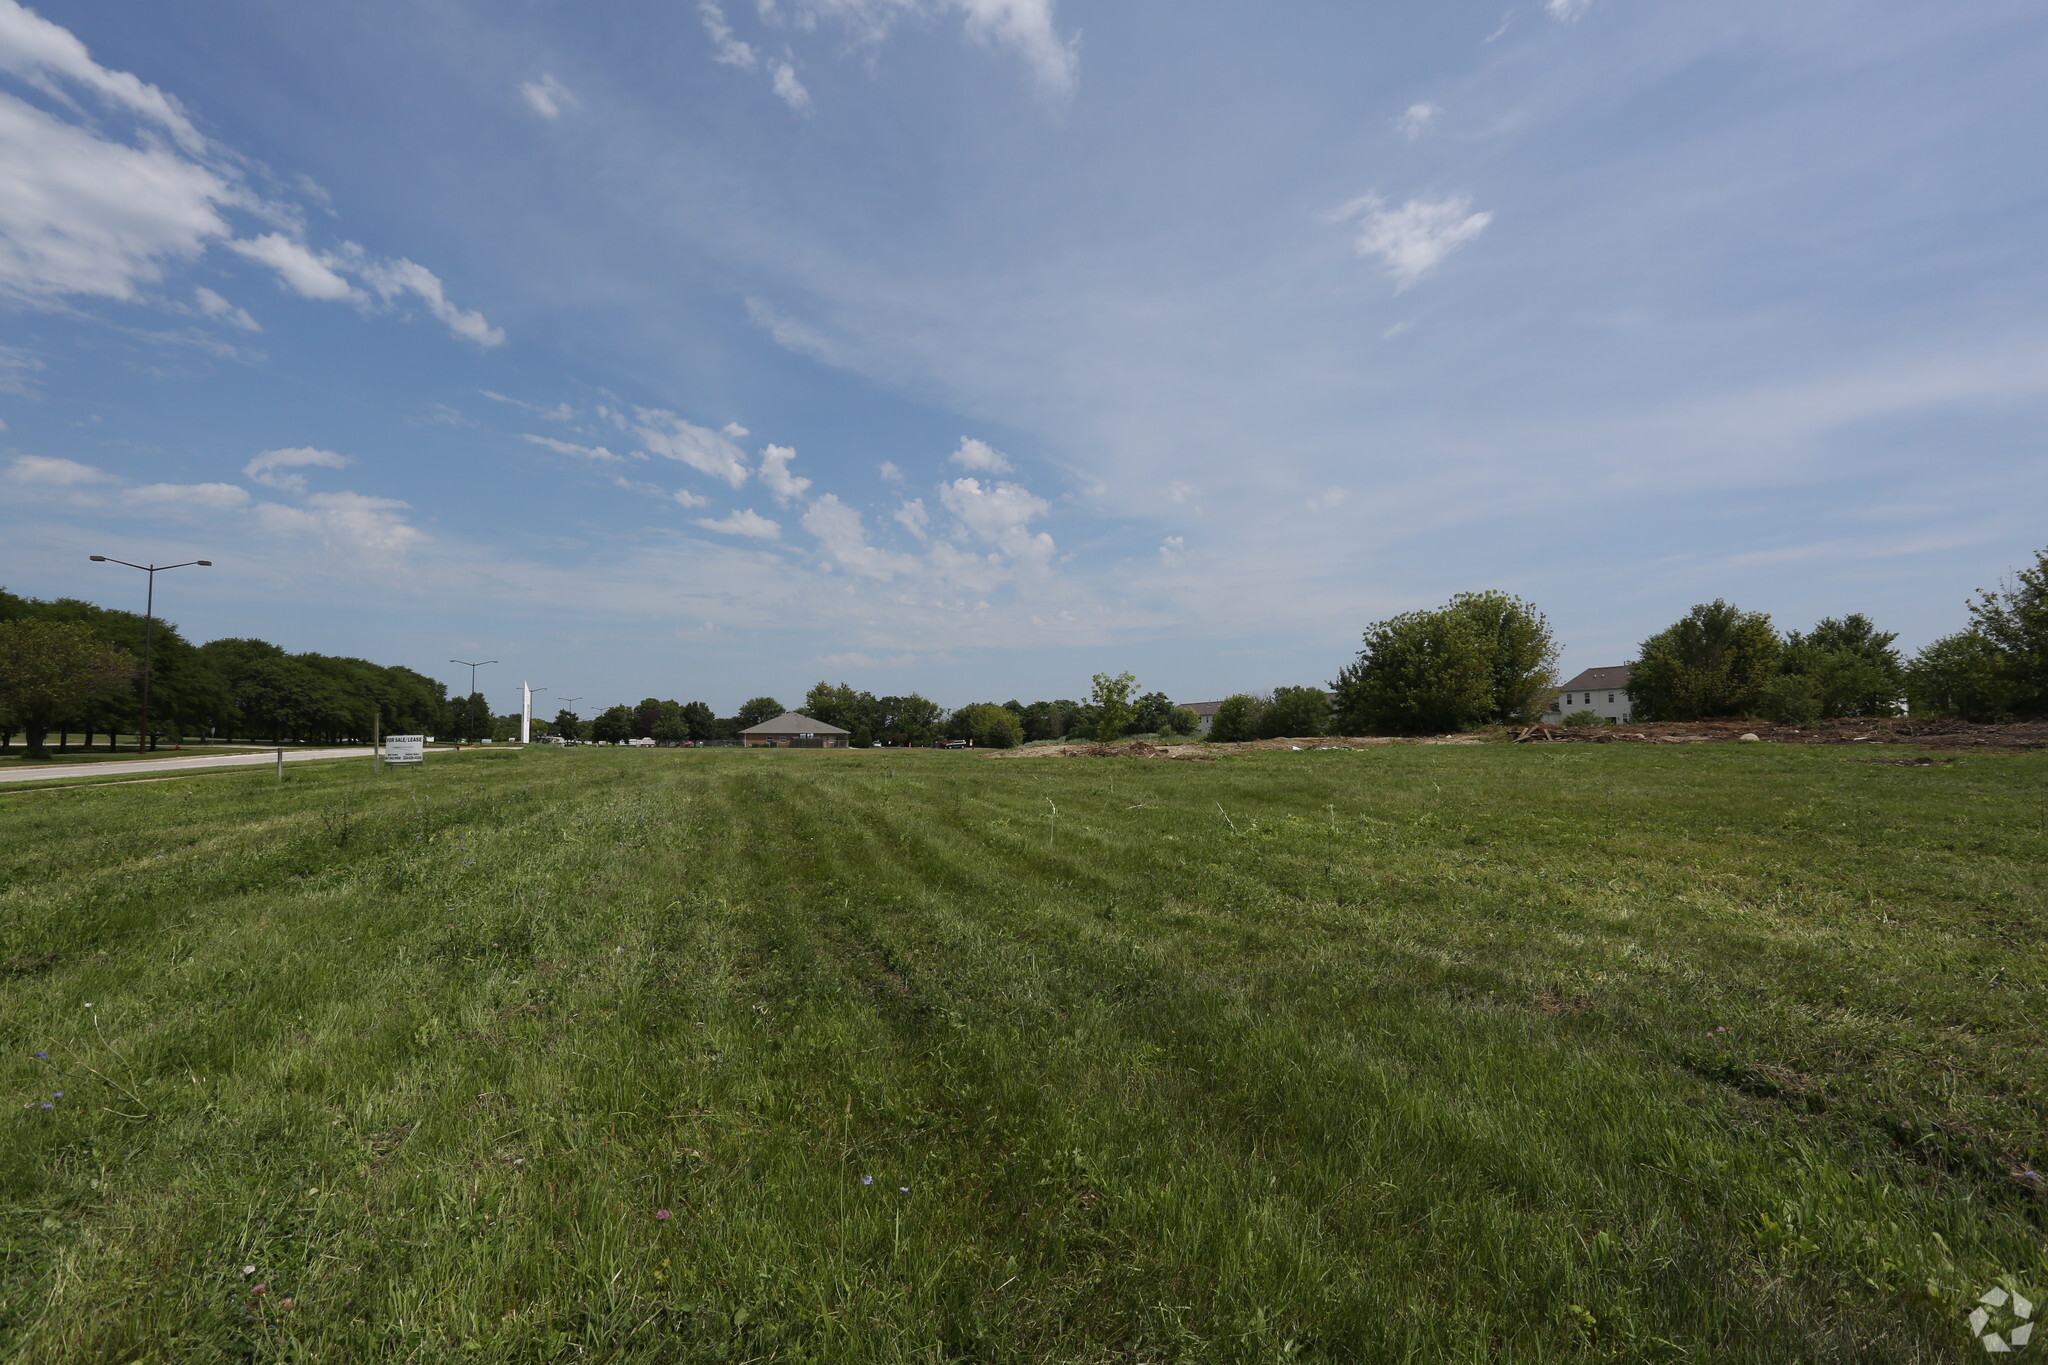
(526, 713)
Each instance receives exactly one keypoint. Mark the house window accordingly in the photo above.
(1610, 698)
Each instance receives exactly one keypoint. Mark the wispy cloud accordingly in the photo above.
(745, 523)
(702, 449)
(548, 97)
(561, 447)
(1416, 120)
(1412, 240)
(276, 468)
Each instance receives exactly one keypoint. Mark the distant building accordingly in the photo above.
(1603, 691)
(793, 730)
(1205, 713)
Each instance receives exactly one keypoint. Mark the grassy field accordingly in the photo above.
(1727, 1053)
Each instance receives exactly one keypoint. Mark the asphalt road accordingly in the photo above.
(44, 772)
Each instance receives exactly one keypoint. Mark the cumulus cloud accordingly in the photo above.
(843, 539)
(689, 499)
(1413, 239)
(1170, 551)
(747, 523)
(53, 472)
(726, 50)
(775, 475)
(548, 97)
(273, 468)
(702, 449)
(913, 518)
(598, 453)
(394, 278)
(790, 90)
(214, 306)
(298, 267)
(85, 213)
(349, 522)
(81, 214)
(890, 472)
(1027, 28)
(980, 457)
(198, 495)
(1000, 514)
(1416, 120)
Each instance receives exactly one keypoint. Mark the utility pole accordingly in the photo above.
(149, 629)
(473, 667)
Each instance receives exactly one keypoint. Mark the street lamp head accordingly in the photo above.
(203, 563)
(97, 559)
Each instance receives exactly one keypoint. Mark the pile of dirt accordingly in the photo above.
(1136, 748)
(1924, 734)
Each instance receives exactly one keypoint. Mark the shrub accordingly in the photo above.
(1713, 662)
(1481, 657)
(1580, 720)
(1295, 711)
(1789, 699)
(1237, 718)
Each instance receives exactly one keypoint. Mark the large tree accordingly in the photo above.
(1110, 701)
(567, 724)
(1422, 672)
(1520, 653)
(1715, 661)
(912, 720)
(51, 670)
(986, 725)
(614, 725)
(1295, 711)
(1237, 718)
(2015, 620)
(756, 710)
(1844, 666)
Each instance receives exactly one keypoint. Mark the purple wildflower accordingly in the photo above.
(867, 1180)
(42, 1056)
(662, 1215)
(48, 1105)
(58, 1096)
(903, 1189)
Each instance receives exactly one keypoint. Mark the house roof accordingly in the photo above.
(1200, 708)
(794, 723)
(1593, 679)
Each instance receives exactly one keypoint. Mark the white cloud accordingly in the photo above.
(775, 475)
(391, 278)
(913, 518)
(701, 448)
(1328, 498)
(726, 50)
(790, 90)
(548, 97)
(598, 453)
(350, 522)
(1413, 239)
(1567, 11)
(33, 48)
(981, 457)
(890, 472)
(80, 214)
(734, 430)
(211, 495)
(214, 306)
(844, 541)
(1170, 551)
(689, 499)
(48, 470)
(747, 523)
(1000, 514)
(1180, 490)
(271, 467)
(1416, 120)
(560, 412)
(310, 275)
(1026, 27)
(796, 336)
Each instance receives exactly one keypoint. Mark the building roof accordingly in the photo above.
(794, 723)
(1593, 679)
(1200, 708)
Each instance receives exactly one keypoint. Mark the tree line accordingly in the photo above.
(1489, 658)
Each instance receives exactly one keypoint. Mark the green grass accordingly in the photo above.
(1408, 1053)
(17, 757)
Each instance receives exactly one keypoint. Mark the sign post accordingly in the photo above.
(404, 748)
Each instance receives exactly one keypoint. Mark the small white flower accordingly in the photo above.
(248, 1270)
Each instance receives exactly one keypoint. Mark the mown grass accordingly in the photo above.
(1401, 1054)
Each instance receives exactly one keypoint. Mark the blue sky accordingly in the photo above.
(975, 346)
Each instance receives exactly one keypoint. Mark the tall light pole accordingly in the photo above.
(148, 628)
(472, 667)
(568, 703)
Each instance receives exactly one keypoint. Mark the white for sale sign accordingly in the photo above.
(404, 748)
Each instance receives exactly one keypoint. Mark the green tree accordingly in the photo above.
(1713, 662)
(614, 725)
(567, 725)
(2015, 620)
(50, 670)
(1048, 719)
(753, 712)
(1520, 654)
(671, 726)
(1422, 672)
(1964, 676)
(1237, 718)
(1111, 703)
(1846, 666)
(1180, 720)
(911, 720)
(646, 716)
(1295, 711)
(1148, 713)
(986, 726)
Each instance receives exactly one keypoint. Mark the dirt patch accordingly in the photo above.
(1922, 734)
(1555, 1002)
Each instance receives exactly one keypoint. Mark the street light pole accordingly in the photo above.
(472, 667)
(148, 628)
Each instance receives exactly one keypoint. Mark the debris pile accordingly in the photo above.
(1921, 733)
